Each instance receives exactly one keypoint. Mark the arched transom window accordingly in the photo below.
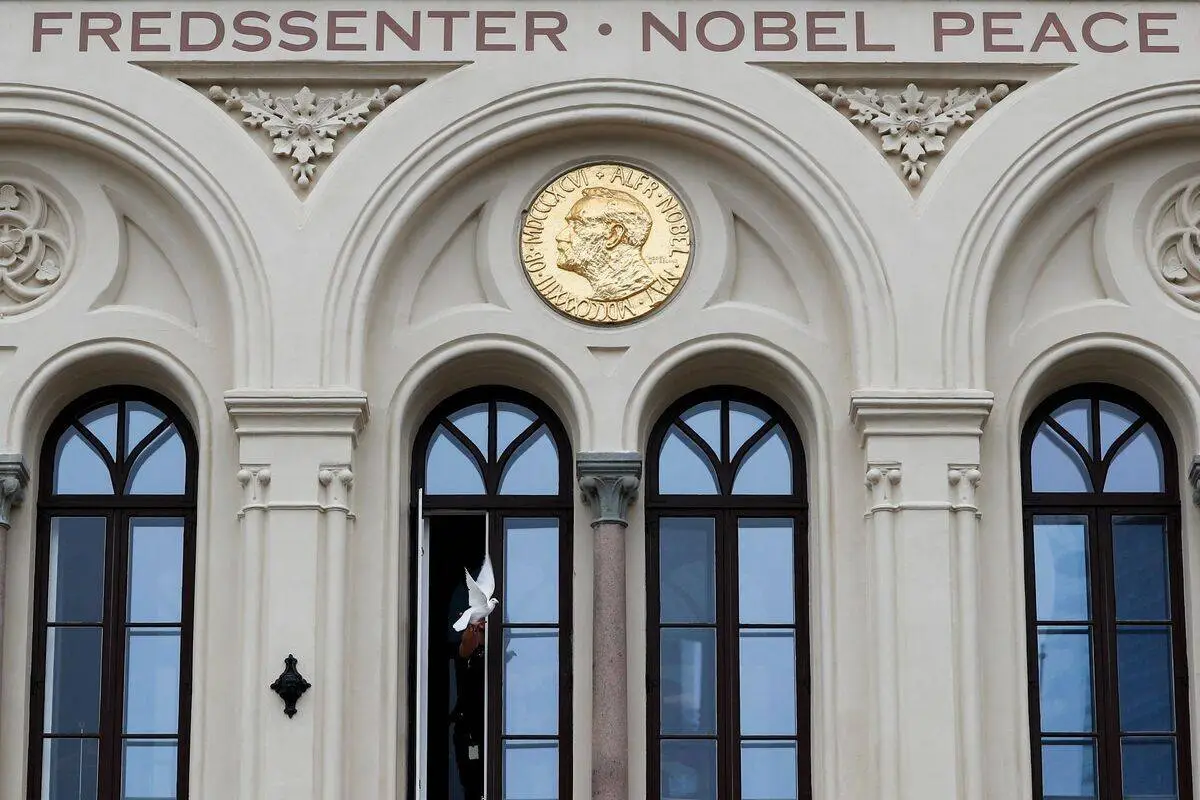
(1104, 599)
(115, 558)
(728, 602)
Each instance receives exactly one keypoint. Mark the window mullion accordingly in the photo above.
(1108, 700)
(112, 662)
(729, 730)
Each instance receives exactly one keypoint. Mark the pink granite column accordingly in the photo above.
(610, 483)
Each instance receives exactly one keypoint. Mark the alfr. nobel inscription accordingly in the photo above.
(606, 243)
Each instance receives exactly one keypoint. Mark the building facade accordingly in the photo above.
(820, 381)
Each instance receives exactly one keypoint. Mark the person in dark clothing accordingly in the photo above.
(467, 718)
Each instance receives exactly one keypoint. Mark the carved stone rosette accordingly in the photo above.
(1173, 242)
(35, 244)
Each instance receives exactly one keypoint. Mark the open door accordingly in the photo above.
(422, 650)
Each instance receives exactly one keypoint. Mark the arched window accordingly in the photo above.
(116, 545)
(1104, 599)
(727, 652)
(492, 471)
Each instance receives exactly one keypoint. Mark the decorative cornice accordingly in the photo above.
(297, 412)
(912, 124)
(609, 483)
(930, 413)
(13, 479)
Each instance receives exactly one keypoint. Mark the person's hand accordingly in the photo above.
(472, 638)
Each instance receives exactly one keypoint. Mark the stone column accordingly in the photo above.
(13, 478)
(609, 482)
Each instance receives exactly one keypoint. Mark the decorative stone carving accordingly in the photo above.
(882, 480)
(1173, 241)
(336, 481)
(35, 244)
(254, 481)
(912, 124)
(964, 480)
(303, 126)
(1194, 479)
(609, 482)
(13, 478)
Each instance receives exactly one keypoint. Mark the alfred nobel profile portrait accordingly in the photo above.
(603, 240)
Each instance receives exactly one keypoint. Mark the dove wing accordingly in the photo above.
(463, 621)
(487, 579)
(475, 596)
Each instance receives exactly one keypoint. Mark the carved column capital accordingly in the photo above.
(13, 479)
(609, 483)
(882, 480)
(964, 480)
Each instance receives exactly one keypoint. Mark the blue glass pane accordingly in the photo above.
(511, 421)
(530, 570)
(102, 423)
(1068, 769)
(689, 769)
(1140, 567)
(531, 681)
(1065, 679)
(767, 670)
(1076, 419)
(530, 770)
(769, 770)
(70, 769)
(450, 468)
(533, 468)
(744, 421)
(155, 570)
(73, 681)
(1060, 557)
(683, 468)
(152, 680)
(1138, 465)
(705, 420)
(162, 467)
(1055, 464)
(767, 468)
(687, 569)
(140, 420)
(78, 467)
(76, 579)
(766, 571)
(472, 421)
(1148, 769)
(1114, 420)
(688, 680)
(150, 770)
(1144, 678)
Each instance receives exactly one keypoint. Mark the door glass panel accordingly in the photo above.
(1068, 769)
(1140, 568)
(688, 680)
(511, 421)
(152, 680)
(1060, 545)
(1148, 769)
(705, 420)
(767, 672)
(472, 421)
(155, 570)
(1144, 679)
(530, 570)
(78, 467)
(768, 770)
(1138, 465)
(102, 423)
(1056, 466)
(766, 571)
(1065, 679)
(140, 420)
(450, 468)
(150, 770)
(767, 468)
(683, 468)
(689, 769)
(70, 769)
(744, 421)
(1076, 419)
(162, 467)
(1114, 420)
(76, 581)
(73, 680)
(687, 569)
(530, 770)
(533, 468)
(530, 681)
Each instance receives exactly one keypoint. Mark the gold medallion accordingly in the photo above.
(606, 243)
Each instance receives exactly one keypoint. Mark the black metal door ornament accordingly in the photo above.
(290, 685)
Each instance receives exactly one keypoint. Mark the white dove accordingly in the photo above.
(479, 593)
